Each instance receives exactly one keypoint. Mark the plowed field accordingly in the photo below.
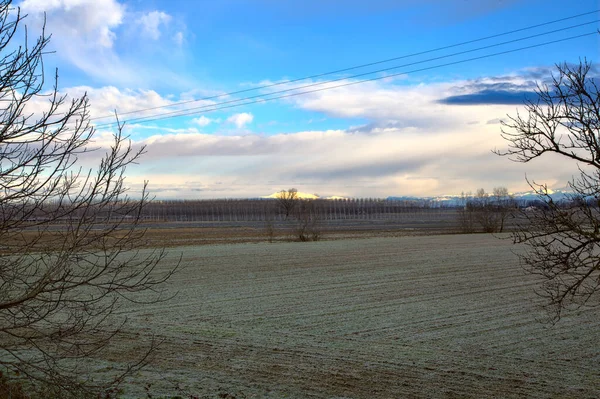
(436, 316)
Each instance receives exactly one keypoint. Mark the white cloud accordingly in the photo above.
(178, 38)
(404, 105)
(202, 121)
(391, 162)
(128, 104)
(106, 100)
(408, 102)
(152, 21)
(85, 34)
(91, 21)
(241, 120)
(411, 144)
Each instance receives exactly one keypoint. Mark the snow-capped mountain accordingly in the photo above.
(522, 198)
(299, 195)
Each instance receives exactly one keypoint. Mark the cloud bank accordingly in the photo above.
(414, 142)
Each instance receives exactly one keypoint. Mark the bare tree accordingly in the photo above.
(287, 201)
(505, 205)
(484, 211)
(68, 235)
(563, 239)
(465, 213)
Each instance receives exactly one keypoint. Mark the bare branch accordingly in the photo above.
(68, 236)
(562, 238)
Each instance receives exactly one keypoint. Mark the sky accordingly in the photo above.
(425, 124)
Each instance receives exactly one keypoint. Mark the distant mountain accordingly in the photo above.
(441, 200)
(299, 195)
(445, 200)
(335, 197)
(556, 195)
(456, 200)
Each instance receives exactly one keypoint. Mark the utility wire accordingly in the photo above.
(351, 68)
(350, 77)
(264, 97)
(372, 79)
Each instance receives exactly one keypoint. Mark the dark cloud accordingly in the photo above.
(504, 89)
(374, 170)
(370, 128)
(494, 90)
(490, 97)
(500, 86)
(192, 145)
(158, 189)
(539, 73)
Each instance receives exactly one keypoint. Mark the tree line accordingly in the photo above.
(241, 210)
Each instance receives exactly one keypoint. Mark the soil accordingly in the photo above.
(442, 316)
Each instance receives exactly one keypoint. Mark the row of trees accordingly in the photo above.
(215, 210)
(487, 211)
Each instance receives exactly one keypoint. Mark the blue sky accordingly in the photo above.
(422, 133)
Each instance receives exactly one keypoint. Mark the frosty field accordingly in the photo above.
(427, 316)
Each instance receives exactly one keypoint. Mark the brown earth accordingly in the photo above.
(170, 234)
(446, 316)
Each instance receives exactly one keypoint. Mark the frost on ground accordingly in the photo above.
(438, 316)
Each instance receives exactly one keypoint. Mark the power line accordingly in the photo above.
(352, 68)
(350, 77)
(264, 97)
(375, 78)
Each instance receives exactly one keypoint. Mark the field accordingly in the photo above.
(416, 222)
(443, 316)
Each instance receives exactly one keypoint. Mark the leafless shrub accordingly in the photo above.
(308, 221)
(270, 225)
(488, 211)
